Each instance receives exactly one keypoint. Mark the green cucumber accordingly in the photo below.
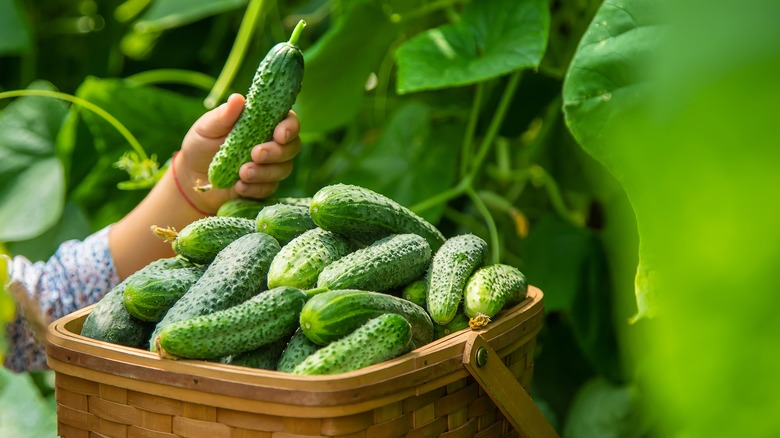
(416, 292)
(298, 348)
(110, 321)
(284, 221)
(201, 240)
(149, 295)
(264, 358)
(265, 318)
(248, 208)
(367, 216)
(379, 339)
(457, 323)
(451, 267)
(331, 315)
(300, 261)
(237, 273)
(389, 262)
(491, 288)
(274, 89)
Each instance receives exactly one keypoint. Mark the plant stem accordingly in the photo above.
(122, 129)
(173, 76)
(495, 249)
(442, 197)
(424, 10)
(245, 31)
(471, 127)
(556, 198)
(296, 33)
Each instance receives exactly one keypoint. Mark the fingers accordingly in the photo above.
(287, 130)
(218, 122)
(252, 173)
(258, 191)
(273, 152)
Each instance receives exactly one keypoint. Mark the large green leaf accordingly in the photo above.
(23, 412)
(411, 161)
(492, 38)
(168, 14)
(32, 184)
(604, 410)
(339, 64)
(73, 224)
(14, 35)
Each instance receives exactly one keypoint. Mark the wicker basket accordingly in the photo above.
(453, 387)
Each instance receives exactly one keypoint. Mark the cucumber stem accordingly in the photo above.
(296, 33)
(167, 234)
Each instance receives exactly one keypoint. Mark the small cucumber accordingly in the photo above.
(298, 348)
(379, 339)
(331, 315)
(366, 215)
(416, 292)
(248, 208)
(274, 89)
(264, 358)
(201, 240)
(389, 262)
(300, 261)
(457, 323)
(451, 267)
(149, 295)
(265, 318)
(491, 288)
(284, 221)
(236, 274)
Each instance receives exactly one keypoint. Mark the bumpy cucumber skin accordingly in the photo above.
(380, 339)
(389, 262)
(416, 292)
(298, 348)
(264, 358)
(265, 318)
(493, 287)
(451, 267)
(272, 94)
(457, 323)
(238, 272)
(284, 221)
(248, 208)
(367, 216)
(203, 239)
(333, 314)
(109, 320)
(300, 261)
(148, 296)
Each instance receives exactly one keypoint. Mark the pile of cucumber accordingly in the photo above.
(321, 285)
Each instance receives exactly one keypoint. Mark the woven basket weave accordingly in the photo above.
(440, 389)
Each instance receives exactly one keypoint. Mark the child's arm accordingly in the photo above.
(132, 243)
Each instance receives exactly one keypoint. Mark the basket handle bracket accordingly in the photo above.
(507, 393)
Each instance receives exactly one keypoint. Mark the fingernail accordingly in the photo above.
(287, 136)
(250, 173)
(263, 155)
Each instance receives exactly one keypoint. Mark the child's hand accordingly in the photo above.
(271, 161)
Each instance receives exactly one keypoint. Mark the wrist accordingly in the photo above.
(184, 185)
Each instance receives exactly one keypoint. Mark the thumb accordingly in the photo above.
(218, 122)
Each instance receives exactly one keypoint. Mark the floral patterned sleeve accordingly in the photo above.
(78, 274)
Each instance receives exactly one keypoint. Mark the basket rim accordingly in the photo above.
(436, 363)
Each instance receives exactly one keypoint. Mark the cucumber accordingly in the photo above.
(331, 315)
(451, 267)
(416, 292)
(265, 318)
(284, 221)
(149, 295)
(379, 339)
(201, 240)
(236, 274)
(457, 323)
(274, 89)
(491, 288)
(264, 358)
(391, 261)
(110, 321)
(300, 262)
(298, 348)
(248, 208)
(367, 216)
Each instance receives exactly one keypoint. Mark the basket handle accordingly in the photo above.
(507, 393)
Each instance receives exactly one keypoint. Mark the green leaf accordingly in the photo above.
(23, 412)
(605, 410)
(339, 64)
(413, 159)
(491, 39)
(169, 14)
(32, 184)
(73, 224)
(14, 35)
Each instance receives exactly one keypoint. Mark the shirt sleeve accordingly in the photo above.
(77, 275)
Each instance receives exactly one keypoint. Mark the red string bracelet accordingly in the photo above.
(181, 190)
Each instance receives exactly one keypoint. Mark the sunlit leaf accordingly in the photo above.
(32, 184)
(169, 14)
(73, 224)
(491, 39)
(23, 412)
